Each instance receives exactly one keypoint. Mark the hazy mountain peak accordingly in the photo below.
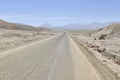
(47, 25)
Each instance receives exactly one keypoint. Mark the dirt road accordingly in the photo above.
(57, 58)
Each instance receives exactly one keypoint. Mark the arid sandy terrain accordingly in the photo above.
(58, 55)
(104, 43)
(12, 35)
(11, 38)
(50, 55)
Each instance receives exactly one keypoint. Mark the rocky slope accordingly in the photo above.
(15, 26)
(107, 47)
(112, 31)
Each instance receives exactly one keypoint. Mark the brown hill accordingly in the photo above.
(8, 25)
(111, 31)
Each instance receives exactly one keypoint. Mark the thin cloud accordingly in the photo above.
(46, 18)
(12, 16)
(34, 18)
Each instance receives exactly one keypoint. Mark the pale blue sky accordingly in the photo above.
(60, 12)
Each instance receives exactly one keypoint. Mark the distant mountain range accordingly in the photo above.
(79, 26)
(48, 27)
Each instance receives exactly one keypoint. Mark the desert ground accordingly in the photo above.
(103, 43)
(12, 38)
(12, 34)
(38, 53)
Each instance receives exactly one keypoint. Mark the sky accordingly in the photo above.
(59, 12)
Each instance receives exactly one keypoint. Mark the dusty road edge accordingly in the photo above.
(85, 58)
(103, 71)
(4, 52)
